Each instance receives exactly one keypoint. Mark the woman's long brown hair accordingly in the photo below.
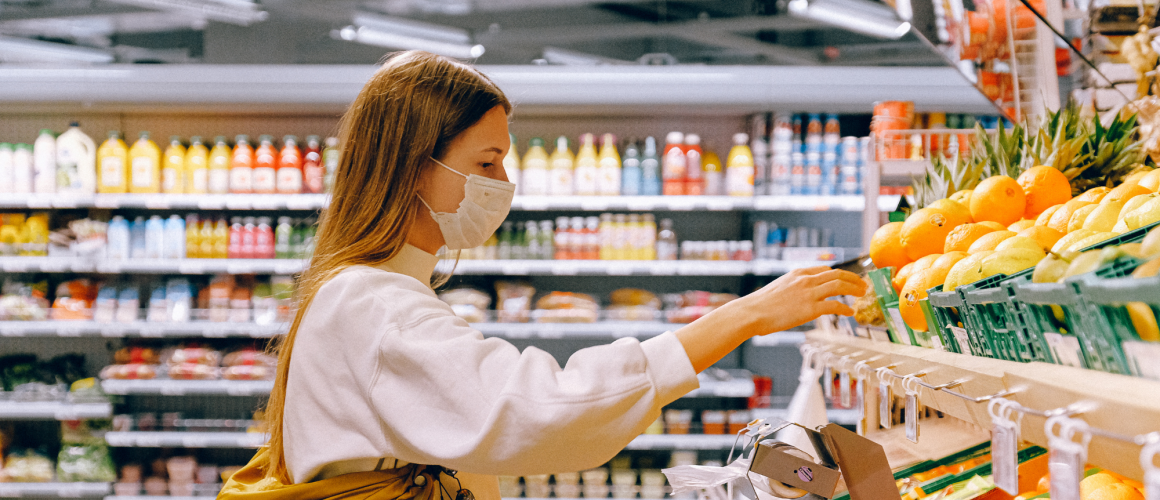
(410, 110)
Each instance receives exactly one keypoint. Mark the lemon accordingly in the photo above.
(1065, 242)
(1135, 203)
(1079, 217)
(1052, 268)
(1019, 242)
(1086, 262)
(1104, 216)
(1145, 214)
(968, 270)
(1150, 247)
(1011, 261)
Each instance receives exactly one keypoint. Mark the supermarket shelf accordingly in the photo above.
(53, 410)
(464, 267)
(54, 490)
(143, 439)
(599, 330)
(690, 88)
(779, 338)
(681, 442)
(313, 202)
(842, 417)
(147, 497)
(1110, 402)
(723, 389)
(167, 387)
(137, 329)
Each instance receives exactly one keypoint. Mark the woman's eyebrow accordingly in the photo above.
(493, 149)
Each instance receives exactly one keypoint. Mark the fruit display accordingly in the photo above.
(1048, 204)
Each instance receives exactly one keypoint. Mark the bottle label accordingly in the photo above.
(586, 172)
(535, 182)
(290, 180)
(313, 178)
(740, 179)
(240, 179)
(693, 165)
(674, 167)
(169, 180)
(198, 182)
(560, 182)
(264, 180)
(112, 172)
(143, 169)
(219, 181)
(609, 182)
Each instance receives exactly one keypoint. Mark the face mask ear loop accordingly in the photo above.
(424, 202)
(448, 168)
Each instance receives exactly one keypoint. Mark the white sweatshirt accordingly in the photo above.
(382, 368)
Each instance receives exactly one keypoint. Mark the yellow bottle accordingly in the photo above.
(219, 166)
(192, 238)
(196, 167)
(145, 166)
(714, 174)
(561, 173)
(173, 167)
(221, 239)
(587, 167)
(534, 176)
(113, 165)
(608, 183)
(739, 167)
(206, 237)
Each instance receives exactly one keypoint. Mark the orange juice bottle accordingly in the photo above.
(290, 167)
(221, 239)
(739, 167)
(173, 167)
(587, 166)
(145, 173)
(196, 167)
(113, 165)
(206, 239)
(242, 166)
(218, 171)
(562, 173)
(265, 166)
(609, 179)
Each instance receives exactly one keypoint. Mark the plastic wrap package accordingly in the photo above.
(566, 307)
(133, 363)
(84, 456)
(711, 480)
(514, 302)
(24, 301)
(74, 300)
(633, 304)
(192, 363)
(27, 467)
(468, 303)
(690, 306)
(248, 364)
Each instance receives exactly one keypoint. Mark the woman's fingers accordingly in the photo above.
(811, 271)
(837, 274)
(834, 307)
(840, 287)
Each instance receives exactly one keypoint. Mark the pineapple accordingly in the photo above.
(1088, 153)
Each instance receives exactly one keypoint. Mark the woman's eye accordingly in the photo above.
(487, 165)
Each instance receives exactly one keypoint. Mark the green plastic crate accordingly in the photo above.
(945, 307)
(888, 301)
(1107, 299)
(1054, 311)
(994, 314)
(1106, 323)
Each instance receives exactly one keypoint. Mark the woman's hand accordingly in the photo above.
(791, 300)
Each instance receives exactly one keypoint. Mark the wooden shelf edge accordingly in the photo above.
(1117, 403)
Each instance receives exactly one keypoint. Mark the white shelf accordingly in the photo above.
(779, 338)
(842, 417)
(681, 442)
(143, 439)
(725, 389)
(53, 410)
(464, 267)
(155, 497)
(599, 330)
(137, 329)
(54, 490)
(168, 387)
(313, 202)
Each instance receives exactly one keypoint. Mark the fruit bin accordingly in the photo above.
(993, 314)
(900, 333)
(1108, 323)
(945, 309)
(1054, 311)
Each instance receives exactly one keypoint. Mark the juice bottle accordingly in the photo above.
(673, 168)
(196, 167)
(587, 166)
(282, 238)
(242, 166)
(207, 239)
(221, 239)
(76, 162)
(694, 178)
(249, 246)
(739, 167)
(145, 158)
(235, 238)
(112, 165)
(814, 134)
(831, 133)
(630, 179)
(22, 169)
(154, 237)
(609, 179)
(563, 250)
(714, 174)
(263, 239)
(562, 174)
(650, 168)
(173, 167)
(192, 237)
(330, 158)
(605, 229)
(174, 238)
(265, 166)
(650, 237)
(511, 163)
(534, 176)
(44, 163)
(219, 167)
(759, 146)
(312, 171)
(289, 167)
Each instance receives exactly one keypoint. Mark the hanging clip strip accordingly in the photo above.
(983, 399)
(943, 387)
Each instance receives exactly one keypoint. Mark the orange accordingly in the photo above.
(1134, 178)
(960, 238)
(989, 241)
(1044, 187)
(957, 213)
(1044, 484)
(1132, 482)
(909, 305)
(1061, 217)
(998, 198)
(1021, 225)
(925, 232)
(1045, 236)
(1094, 482)
(963, 197)
(993, 225)
(1115, 491)
(947, 260)
(886, 246)
(1095, 194)
(899, 279)
(1123, 193)
(1045, 217)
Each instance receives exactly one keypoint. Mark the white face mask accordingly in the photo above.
(486, 203)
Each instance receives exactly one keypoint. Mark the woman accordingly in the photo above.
(377, 375)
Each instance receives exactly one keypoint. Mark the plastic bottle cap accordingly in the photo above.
(312, 139)
(740, 138)
(195, 139)
(175, 138)
(143, 135)
(46, 131)
(562, 142)
(23, 146)
(74, 124)
(693, 139)
(331, 142)
(5, 145)
(265, 138)
(290, 139)
(113, 134)
(242, 138)
(675, 138)
(220, 138)
(587, 139)
(536, 142)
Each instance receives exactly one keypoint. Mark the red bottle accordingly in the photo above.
(246, 250)
(235, 247)
(673, 165)
(694, 177)
(312, 169)
(289, 179)
(263, 239)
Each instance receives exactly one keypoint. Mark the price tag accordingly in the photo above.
(1143, 358)
(146, 441)
(304, 202)
(118, 439)
(844, 389)
(1067, 458)
(171, 389)
(619, 269)
(239, 268)
(1151, 473)
(961, 338)
(15, 264)
(39, 202)
(82, 266)
(68, 331)
(663, 268)
(109, 267)
(1065, 348)
(860, 393)
(193, 442)
(551, 333)
(678, 204)
(885, 404)
(264, 203)
(157, 202)
(594, 204)
(899, 325)
(211, 203)
(12, 331)
(54, 265)
(65, 202)
(638, 204)
(828, 383)
(1004, 454)
(215, 331)
(190, 266)
(537, 204)
(1064, 476)
(151, 331)
(107, 201)
(822, 207)
(911, 416)
(236, 389)
(936, 342)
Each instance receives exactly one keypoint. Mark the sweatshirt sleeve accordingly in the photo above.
(448, 396)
